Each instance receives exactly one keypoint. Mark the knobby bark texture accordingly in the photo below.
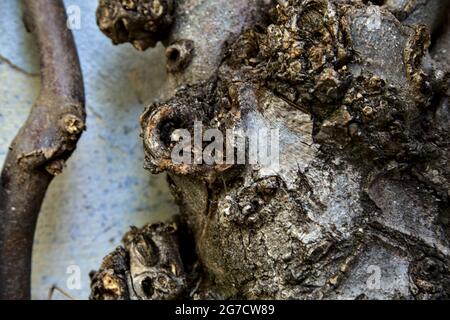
(43, 144)
(359, 92)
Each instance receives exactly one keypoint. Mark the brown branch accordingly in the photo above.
(42, 145)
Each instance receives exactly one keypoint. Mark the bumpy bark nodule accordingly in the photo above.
(359, 206)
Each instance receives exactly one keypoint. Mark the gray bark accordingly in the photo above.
(359, 207)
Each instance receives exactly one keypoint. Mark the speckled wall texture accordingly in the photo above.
(104, 189)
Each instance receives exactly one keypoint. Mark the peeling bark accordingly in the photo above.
(43, 144)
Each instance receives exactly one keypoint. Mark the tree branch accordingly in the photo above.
(42, 145)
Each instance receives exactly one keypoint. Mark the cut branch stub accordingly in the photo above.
(141, 22)
(156, 270)
(175, 128)
(42, 145)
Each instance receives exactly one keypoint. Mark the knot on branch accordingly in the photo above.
(73, 125)
(141, 22)
(252, 206)
(52, 145)
(179, 54)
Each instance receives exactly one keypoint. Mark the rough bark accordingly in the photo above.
(361, 101)
(42, 145)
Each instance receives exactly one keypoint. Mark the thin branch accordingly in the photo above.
(42, 145)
